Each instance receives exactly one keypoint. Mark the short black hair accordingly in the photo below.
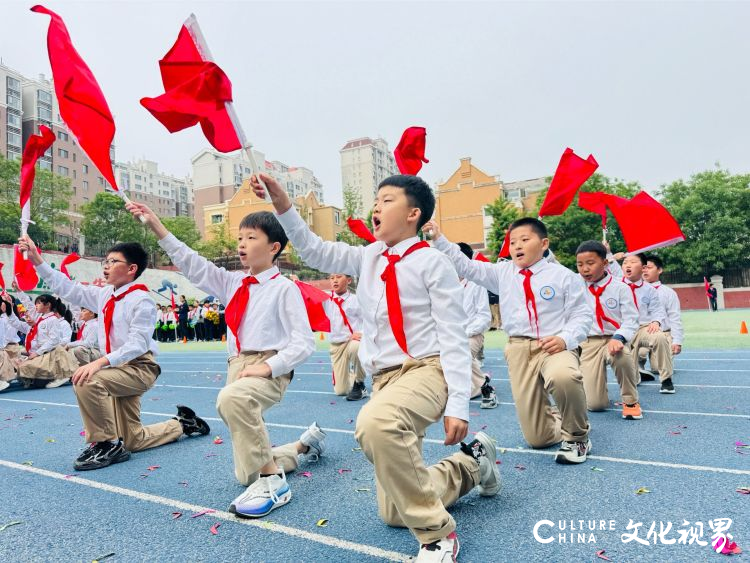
(134, 253)
(640, 256)
(48, 299)
(536, 225)
(418, 193)
(658, 262)
(592, 246)
(466, 249)
(268, 223)
(96, 315)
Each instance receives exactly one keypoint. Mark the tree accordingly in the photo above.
(49, 203)
(576, 225)
(503, 213)
(106, 222)
(220, 243)
(184, 229)
(352, 208)
(712, 210)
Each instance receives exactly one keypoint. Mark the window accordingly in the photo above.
(14, 155)
(45, 165)
(14, 139)
(137, 177)
(138, 187)
(62, 170)
(101, 180)
(85, 168)
(13, 101)
(44, 97)
(75, 174)
(63, 136)
(13, 84)
(62, 153)
(74, 157)
(85, 186)
(337, 217)
(14, 120)
(44, 113)
(216, 219)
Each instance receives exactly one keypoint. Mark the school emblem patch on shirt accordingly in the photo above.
(547, 292)
(611, 303)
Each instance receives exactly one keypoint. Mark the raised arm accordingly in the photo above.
(330, 257)
(580, 316)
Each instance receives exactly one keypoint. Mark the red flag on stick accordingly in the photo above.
(171, 296)
(36, 146)
(2, 280)
(505, 249)
(81, 102)
(597, 202)
(196, 92)
(314, 299)
(359, 228)
(481, 257)
(570, 175)
(410, 150)
(645, 223)
(707, 287)
(23, 270)
(69, 259)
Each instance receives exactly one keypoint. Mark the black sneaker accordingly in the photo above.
(357, 392)
(667, 387)
(192, 424)
(101, 454)
(489, 399)
(646, 375)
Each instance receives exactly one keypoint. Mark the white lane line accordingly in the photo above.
(659, 385)
(501, 448)
(220, 514)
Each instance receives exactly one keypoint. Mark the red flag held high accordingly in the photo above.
(196, 91)
(570, 175)
(36, 146)
(23, 270)
(505, 250)
(410, 150)
(481, 257)
(314, 299)
(81, 102)
(645, 223)
(359, 228)
(597, 202)
(69, 259)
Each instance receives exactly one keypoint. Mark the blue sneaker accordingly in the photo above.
(263, 496)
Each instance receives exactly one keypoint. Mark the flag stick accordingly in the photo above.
(25, 220)
(604, 235)
(191, 24)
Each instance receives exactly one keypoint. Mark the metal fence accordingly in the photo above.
(733, 277)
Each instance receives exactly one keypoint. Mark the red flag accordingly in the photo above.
(36, 146)
(2, 280)
(645, 223)
(314, 299)
(505, 250)
(570, 175)
(81, 102)
(410, 150)
(196, 91)
(172, 298)
(481, 257)
(69, 259)
(597, 202)
(705, 285)
(359, 228)
(23, 270)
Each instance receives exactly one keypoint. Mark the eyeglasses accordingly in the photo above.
(111, 261)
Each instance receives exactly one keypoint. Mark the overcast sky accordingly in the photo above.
(656, 91)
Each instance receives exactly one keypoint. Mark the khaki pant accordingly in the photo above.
(7, 368)
(241, 404)
(476, 343)
(594, 361)
(534, 375)
(497, 321)
(85, 355)
(659, 347)
(390, 428)
(110, 404)
(14, 351)
(58, 363)
(343, 358)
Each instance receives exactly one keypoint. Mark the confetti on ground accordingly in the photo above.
(103, 557)
(642, 491)
(215, 528)
(9, 524)
(498, 462)
(363, 490)
(600, 555)
(674, 432)
(176, 515)
(29, 463)
(521, 467)
(50, 440)
(183, 483)
(82, 433)
(143, 476)
(304, 474)
(356, 449)
(474, 413)
(597, 469)
(349, 420)
(153, 467)
(211, 455)
(483, 427)
(70, 475)
(332, 403)
(744, 490)
(202, 512)
(342, 471)
(218, 440)
(322, 523)
(729, 547)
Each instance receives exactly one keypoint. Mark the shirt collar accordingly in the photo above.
(657, 284)
(535, 268)
(403, 246)
(266, 275)
(602, 281)
(122, 289)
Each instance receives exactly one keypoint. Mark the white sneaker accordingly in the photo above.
(441, 551)
(573, 452)
(263, 496)
(4, 385)
(315, 439)
(490, 482)
(57, 383)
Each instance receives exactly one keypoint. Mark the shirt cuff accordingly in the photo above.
(115, 359)
(278, 368)
(290, 218)
(441, 243)
(457, 408)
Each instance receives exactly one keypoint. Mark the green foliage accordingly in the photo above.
(352, 208)
(503, 213)
(220, 242)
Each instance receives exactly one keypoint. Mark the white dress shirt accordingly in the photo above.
(339, 331)
(89, 337)
(431, 304)
(133, 320)
(649, 305)
(617, 304)
(559, 294)
(47, 335)
(8, 329)
(5, 328)
(477, 308)
(275, 319)
(66, 331)
(671, 302)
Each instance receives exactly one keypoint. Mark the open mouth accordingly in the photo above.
(520, 255)
(243, 255)
(376, 223)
